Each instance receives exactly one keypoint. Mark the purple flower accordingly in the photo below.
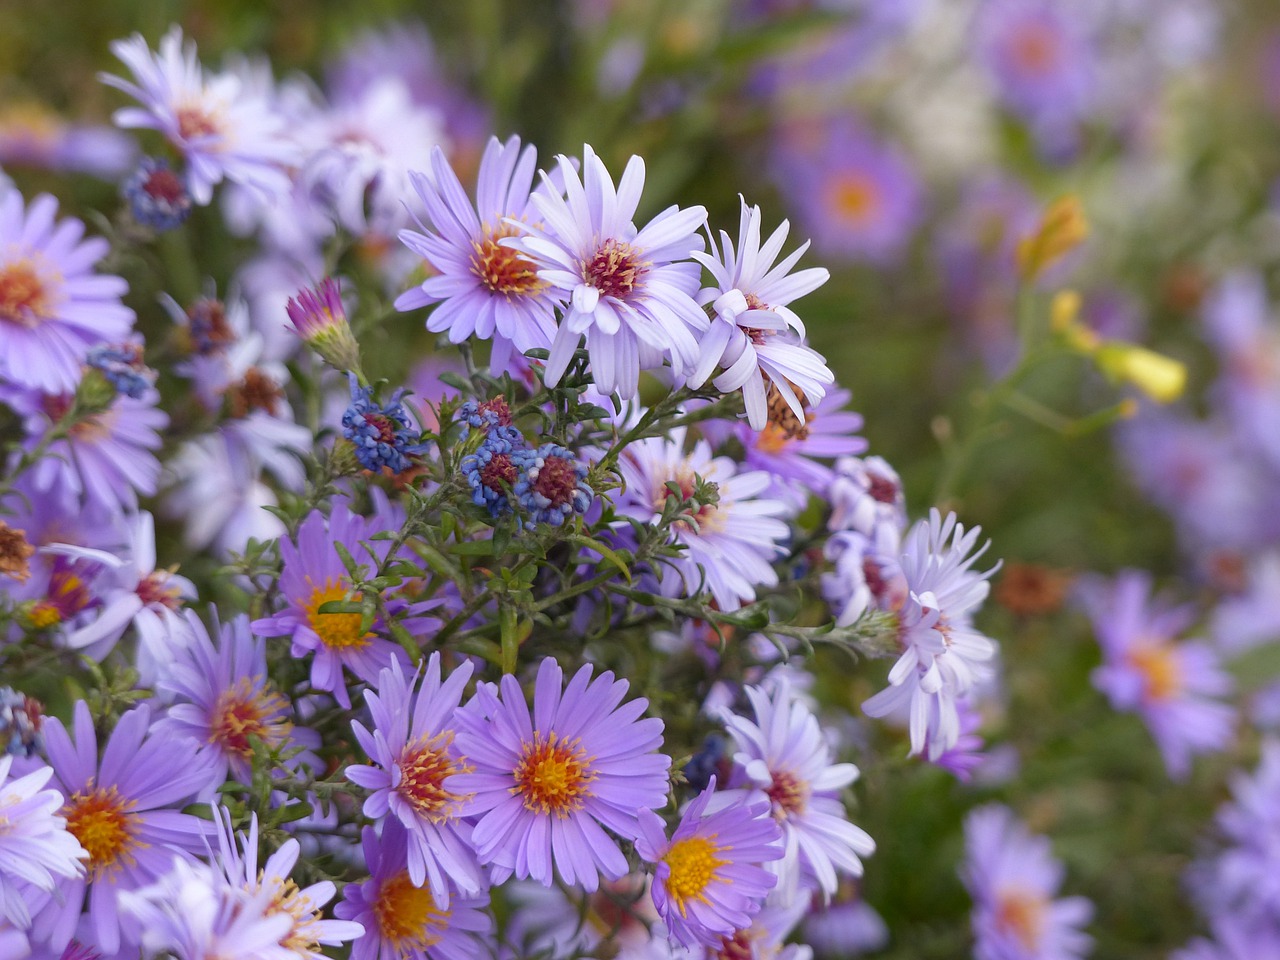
(314, 575)
(33, 136)
(544, 783)
(730, 545)
(784, 754)
(482, 287)
(158, 196)
(943, 656)
(380, 432)
(222, 129)
(412, 748)
(867, 496)
(857, 197)
(491, 471)
(754, 335)
(402, 920)
(124, 812)
(707, 880)
(630, 292)
(36, 849)
(1233, 940)
(552, 484)
(866, 574)
(1174, 687)
(1013, 878)
(53, 307)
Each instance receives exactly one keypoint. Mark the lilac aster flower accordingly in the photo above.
(552, 484)
(124, 812)
(106, 458)
(413, 753)
(314, 575)
(545, 782)
(33, 136)
(867, 496)
(857, 197)
(222, 129)
(866, 574)
(482, 288)
(307, 931)
(53, 307)
(1233, 940)
(36, 848)
(754, 335)
(736, 538)
(222, 696)
(708, 880)
(784, 755)
(194, 913)
(630, 292)
(158, 196)
(380, 432)
(943, 656)
(1175, 687)
(1013, 878)
(402, 920)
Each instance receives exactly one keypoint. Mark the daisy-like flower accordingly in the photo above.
(222, 128)
(708, 882)
(545, 782)
(307, 931)
(124, 812)
(552, 484)
(1014, 878)
(412, 747)
(784, 754)
(402, 920)
(482, 287)
(630, 292)
(194, 913)
(754, 335)
(942, 654)
(35, 846)
(734, 540)
(32, 135)
(106, 458)
(1175, 687)
(222, 696)
(313, 575)
(53, 307)
(867, 496)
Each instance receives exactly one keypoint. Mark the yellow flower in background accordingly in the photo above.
(1062, 228)
(1161, 378)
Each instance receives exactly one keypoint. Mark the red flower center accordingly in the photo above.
(615, 269)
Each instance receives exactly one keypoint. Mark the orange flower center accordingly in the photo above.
(693, 863)
(1035, 48)
(338, 631)
(1157, 663)
(553, 775)
(101, 821)
(195, 121)
(502, 269)
(855, 197)
(1021, 915)
(407, 916)
(423, 768)
(24, 297)
(242, 712)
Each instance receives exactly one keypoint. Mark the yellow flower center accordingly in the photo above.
(855, 197)
(423, 768)
(1021, 915)
(242, 712)
(101, 821)
(693, 864)
(553, 775)
(407, 916)
(502, 269)
(1156, 661)
(25, 297)
(286, 898)
(338, 631)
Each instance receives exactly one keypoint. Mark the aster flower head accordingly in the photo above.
(314, 575)
(320, 319)
(223, 129)
(754, 335)
(708, 879)
(545, 782)
(866, 574)
(32, 135)
(481, 288)
(1014, 878)
(158, 195)
(20, 718)
(943, 655)
(380, 432)
(629, 291)
(123, 811)
(36, 849)
(783, 755)
(123, 367)
(53, 307)
(867, 497)
(735, 539)
(492, 471)
(413, 753)
(1176, 687)
(402, 921)
(551, 484)
(485, 413)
